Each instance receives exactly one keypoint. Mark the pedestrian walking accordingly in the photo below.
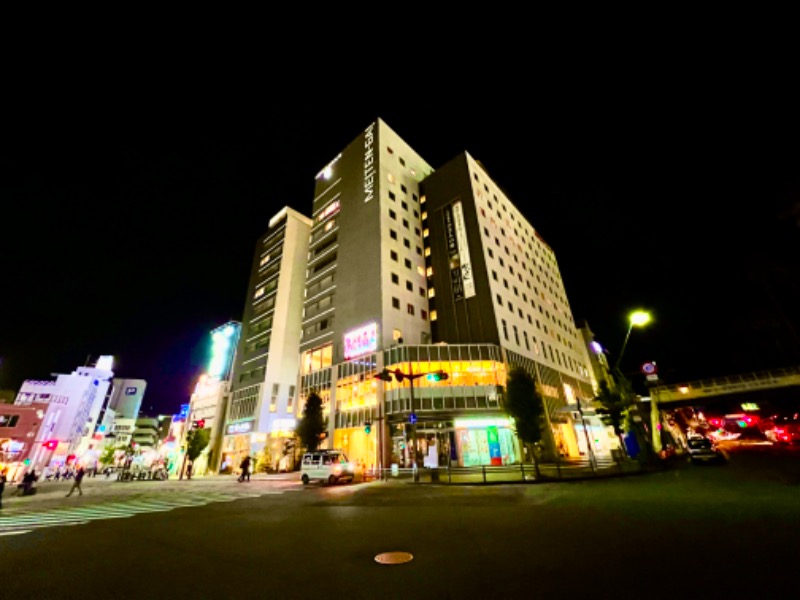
(76, 484)
(3, 478)
(245, 467)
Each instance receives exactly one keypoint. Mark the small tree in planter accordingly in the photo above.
(523, 403)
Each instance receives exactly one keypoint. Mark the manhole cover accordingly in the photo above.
(393, 558)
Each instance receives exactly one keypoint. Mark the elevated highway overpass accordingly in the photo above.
(697, 392)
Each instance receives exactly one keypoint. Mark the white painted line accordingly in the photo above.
(15, 532)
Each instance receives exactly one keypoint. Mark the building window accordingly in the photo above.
(407, 263)
(494, 275)
(516, 335)
(404, 205)
(395, 278)
(391, 196)
(431, 292)
(505, 329)
(409, 286)
(525, 335)
(433, 315)
(422, 292)
(424, 315)
(406, 243)
(395, 302)
(393, 255)
(273, 403)
(499, 299)
(405, 224)
(410, 309)
(393, 215)
(393, 234)
(290, 399)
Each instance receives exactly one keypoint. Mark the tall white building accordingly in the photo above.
(263, 397)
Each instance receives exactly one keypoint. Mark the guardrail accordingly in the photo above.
(487, 475)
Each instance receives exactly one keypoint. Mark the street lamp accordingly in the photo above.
(400, 376)
(639, 318)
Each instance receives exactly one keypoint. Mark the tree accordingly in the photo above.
(615, 403)
(196, 442)
(523, 403)
(108, 455)
(312, 424)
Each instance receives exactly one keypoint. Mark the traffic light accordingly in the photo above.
(51, 444)
(437, 376)
(199, 424)
(385, 375)
(367, 427)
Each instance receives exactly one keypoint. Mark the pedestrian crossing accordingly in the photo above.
(17, 524)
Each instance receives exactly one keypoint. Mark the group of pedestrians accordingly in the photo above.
(26, 487)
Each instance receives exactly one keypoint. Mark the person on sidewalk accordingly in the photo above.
(76, 484)
(245, 466)
(3, 479)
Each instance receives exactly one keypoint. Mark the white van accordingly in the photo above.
(330, 466)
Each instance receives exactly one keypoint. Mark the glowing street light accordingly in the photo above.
(638, 318)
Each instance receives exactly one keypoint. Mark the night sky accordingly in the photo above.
(128, 226)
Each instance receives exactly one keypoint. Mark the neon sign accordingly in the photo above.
(361, 340)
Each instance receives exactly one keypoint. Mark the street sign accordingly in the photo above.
(649, 368)
(412, 418)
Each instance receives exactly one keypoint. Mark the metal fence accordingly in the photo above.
(517, 473)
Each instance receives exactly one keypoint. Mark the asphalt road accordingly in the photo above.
(727, 531)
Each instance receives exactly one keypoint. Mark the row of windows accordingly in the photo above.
(406, 224)
(556, 355)
(257, 374)
(406, 241)
(410, 309)
(318, 327)
(526, 229)
(409, 284)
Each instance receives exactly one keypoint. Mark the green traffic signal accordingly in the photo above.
(368, 427)
(437, 376)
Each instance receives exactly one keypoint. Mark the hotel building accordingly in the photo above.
(417, 271)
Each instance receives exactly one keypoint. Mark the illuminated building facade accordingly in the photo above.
(493, 279)
(418, 271)
(263, 393)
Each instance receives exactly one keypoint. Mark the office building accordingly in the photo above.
(261, 409)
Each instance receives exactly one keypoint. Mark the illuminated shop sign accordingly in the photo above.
(130, 391)
(361, 340)
(481, 423)
(236, 428)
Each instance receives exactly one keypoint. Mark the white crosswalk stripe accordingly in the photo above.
(117, 509)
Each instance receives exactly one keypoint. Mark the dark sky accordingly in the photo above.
(129, 216)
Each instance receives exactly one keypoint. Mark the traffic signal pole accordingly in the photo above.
(417, 466)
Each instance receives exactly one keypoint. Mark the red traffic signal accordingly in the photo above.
(51, 444)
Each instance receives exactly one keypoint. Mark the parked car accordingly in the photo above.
(330, 466)
(702, 450)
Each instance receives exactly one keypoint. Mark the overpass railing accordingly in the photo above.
(747, 382)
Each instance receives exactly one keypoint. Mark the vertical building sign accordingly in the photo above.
(452, 254)
(369, 163)
(467, 277)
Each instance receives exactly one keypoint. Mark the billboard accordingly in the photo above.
(223, 348)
